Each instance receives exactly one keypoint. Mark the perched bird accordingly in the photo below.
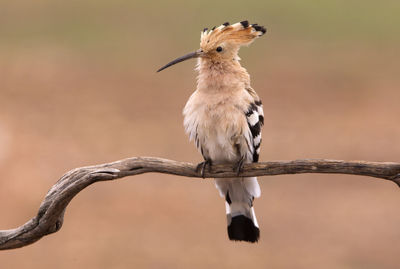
(224, 117)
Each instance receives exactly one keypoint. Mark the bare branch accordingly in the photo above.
(51, 212)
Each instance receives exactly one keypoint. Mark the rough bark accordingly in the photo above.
(49, 218)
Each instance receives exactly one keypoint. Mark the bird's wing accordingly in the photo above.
(255, 120)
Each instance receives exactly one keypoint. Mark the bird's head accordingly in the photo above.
(222, 43)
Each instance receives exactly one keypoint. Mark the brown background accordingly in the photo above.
(78, 87)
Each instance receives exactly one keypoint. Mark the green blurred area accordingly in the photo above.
(116, 25)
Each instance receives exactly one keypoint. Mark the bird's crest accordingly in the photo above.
(221, 44)
(238, 34)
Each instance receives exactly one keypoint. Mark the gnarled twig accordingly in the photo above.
(51, 212)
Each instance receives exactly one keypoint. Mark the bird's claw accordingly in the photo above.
(201, 167)
(238, 168)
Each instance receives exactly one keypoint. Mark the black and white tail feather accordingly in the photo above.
(239, 193)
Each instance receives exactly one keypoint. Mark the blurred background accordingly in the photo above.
(78, 87)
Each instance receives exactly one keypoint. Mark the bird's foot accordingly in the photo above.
(238, 168)
(201, 167)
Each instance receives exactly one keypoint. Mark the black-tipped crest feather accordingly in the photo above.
(245, 24)
(259, 28)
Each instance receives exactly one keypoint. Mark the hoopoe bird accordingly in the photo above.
(224, 117)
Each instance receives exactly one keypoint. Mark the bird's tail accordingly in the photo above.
(239, 194)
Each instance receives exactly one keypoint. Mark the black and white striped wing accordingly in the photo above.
(255, 120)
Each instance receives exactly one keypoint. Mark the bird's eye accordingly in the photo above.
(219, 49)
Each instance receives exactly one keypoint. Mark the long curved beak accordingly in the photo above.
(191, 55)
